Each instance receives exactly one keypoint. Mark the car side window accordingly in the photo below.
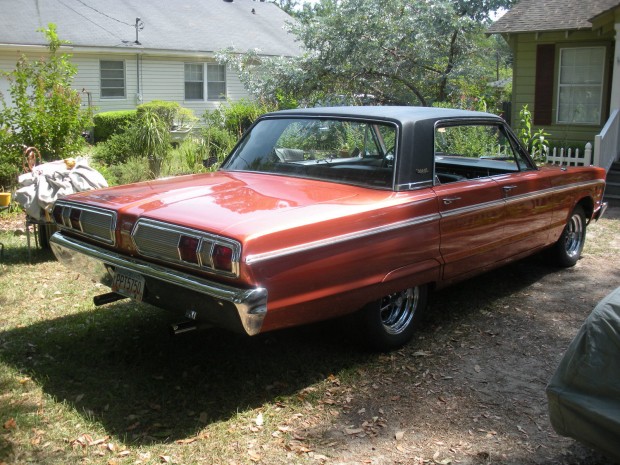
(470, 151)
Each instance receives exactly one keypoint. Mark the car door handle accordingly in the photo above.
(508, 189)
(449, 200)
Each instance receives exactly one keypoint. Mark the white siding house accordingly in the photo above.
(168, 56)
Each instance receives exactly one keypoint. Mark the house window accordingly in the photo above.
(580, 89)
(216, 81)
(194, 81)
(112, 79)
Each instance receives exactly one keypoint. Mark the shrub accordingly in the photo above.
(45, 111)
(236, 117)
(218, 143)
(112, 122)
(10, 160)
(187, 158)
(166, 111)
(135, 169)
(117, 149)
(151, 138)
(535, 141)
(108, 172)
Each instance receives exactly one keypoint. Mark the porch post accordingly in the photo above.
(615, 83)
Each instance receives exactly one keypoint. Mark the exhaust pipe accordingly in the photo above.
(108, 298)
(183, 327)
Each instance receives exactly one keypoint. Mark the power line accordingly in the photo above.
(104, 14)
(88, 19)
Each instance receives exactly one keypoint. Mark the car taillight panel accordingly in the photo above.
(222, 258)
(57, 214)
(74, 219)
(96, 223)
(187, 247)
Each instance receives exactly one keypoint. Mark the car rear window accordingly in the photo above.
(335, 150)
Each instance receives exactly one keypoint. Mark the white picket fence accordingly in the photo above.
(569, 156)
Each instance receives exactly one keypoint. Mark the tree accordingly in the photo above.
(287, 5)
(44, 111)
(400, 52)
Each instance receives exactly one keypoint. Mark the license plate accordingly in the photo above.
(128, 284)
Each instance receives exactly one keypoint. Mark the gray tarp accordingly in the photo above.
(39, 189)
(584, 393)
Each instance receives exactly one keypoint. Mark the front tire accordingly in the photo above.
(567, 250)
(390, 322)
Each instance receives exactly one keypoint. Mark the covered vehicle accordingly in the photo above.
(584, 393)
(324, 212)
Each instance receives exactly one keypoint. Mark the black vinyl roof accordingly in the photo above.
(402, 114)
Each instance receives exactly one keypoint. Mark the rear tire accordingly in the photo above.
(390, 322)
(567, 250)
(44, 232)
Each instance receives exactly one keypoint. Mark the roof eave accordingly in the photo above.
(79, 49)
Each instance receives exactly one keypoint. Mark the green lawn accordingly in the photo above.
(108, 385)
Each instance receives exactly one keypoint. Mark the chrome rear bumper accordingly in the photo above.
(600, 212)
(99, 263)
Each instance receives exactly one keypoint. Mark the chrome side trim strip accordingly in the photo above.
(553, 190)
(518, 198)
(474, 208)
(339, 239)
(251, 304)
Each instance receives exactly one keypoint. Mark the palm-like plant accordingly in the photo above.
(152, 139)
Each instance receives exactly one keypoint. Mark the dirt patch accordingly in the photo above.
(471, 388)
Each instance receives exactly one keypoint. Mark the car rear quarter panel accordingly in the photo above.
(328, 268)
(570, 186)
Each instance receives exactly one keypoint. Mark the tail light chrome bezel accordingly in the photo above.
(75, 217)
(163, 241)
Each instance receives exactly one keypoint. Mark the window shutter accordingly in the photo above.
(543, 95)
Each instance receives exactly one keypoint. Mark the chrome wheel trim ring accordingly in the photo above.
(574, 236)
(398, 309)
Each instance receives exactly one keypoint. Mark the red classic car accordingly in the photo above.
(323, 212)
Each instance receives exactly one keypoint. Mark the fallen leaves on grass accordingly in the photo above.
(86, 440)
(422, 353)
(187, 441)
(352, 431)
(10, 424)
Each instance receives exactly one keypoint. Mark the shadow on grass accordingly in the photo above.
(16, 252)
(119, 366)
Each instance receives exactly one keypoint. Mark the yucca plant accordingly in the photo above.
(152, 139)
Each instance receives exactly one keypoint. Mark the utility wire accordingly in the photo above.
(104, 14)
(88, 19)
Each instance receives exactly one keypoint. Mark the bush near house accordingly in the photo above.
(236, 117)
(10, 160)
(166, 111)
(120, 157)
(110, 123)
(219, 142)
